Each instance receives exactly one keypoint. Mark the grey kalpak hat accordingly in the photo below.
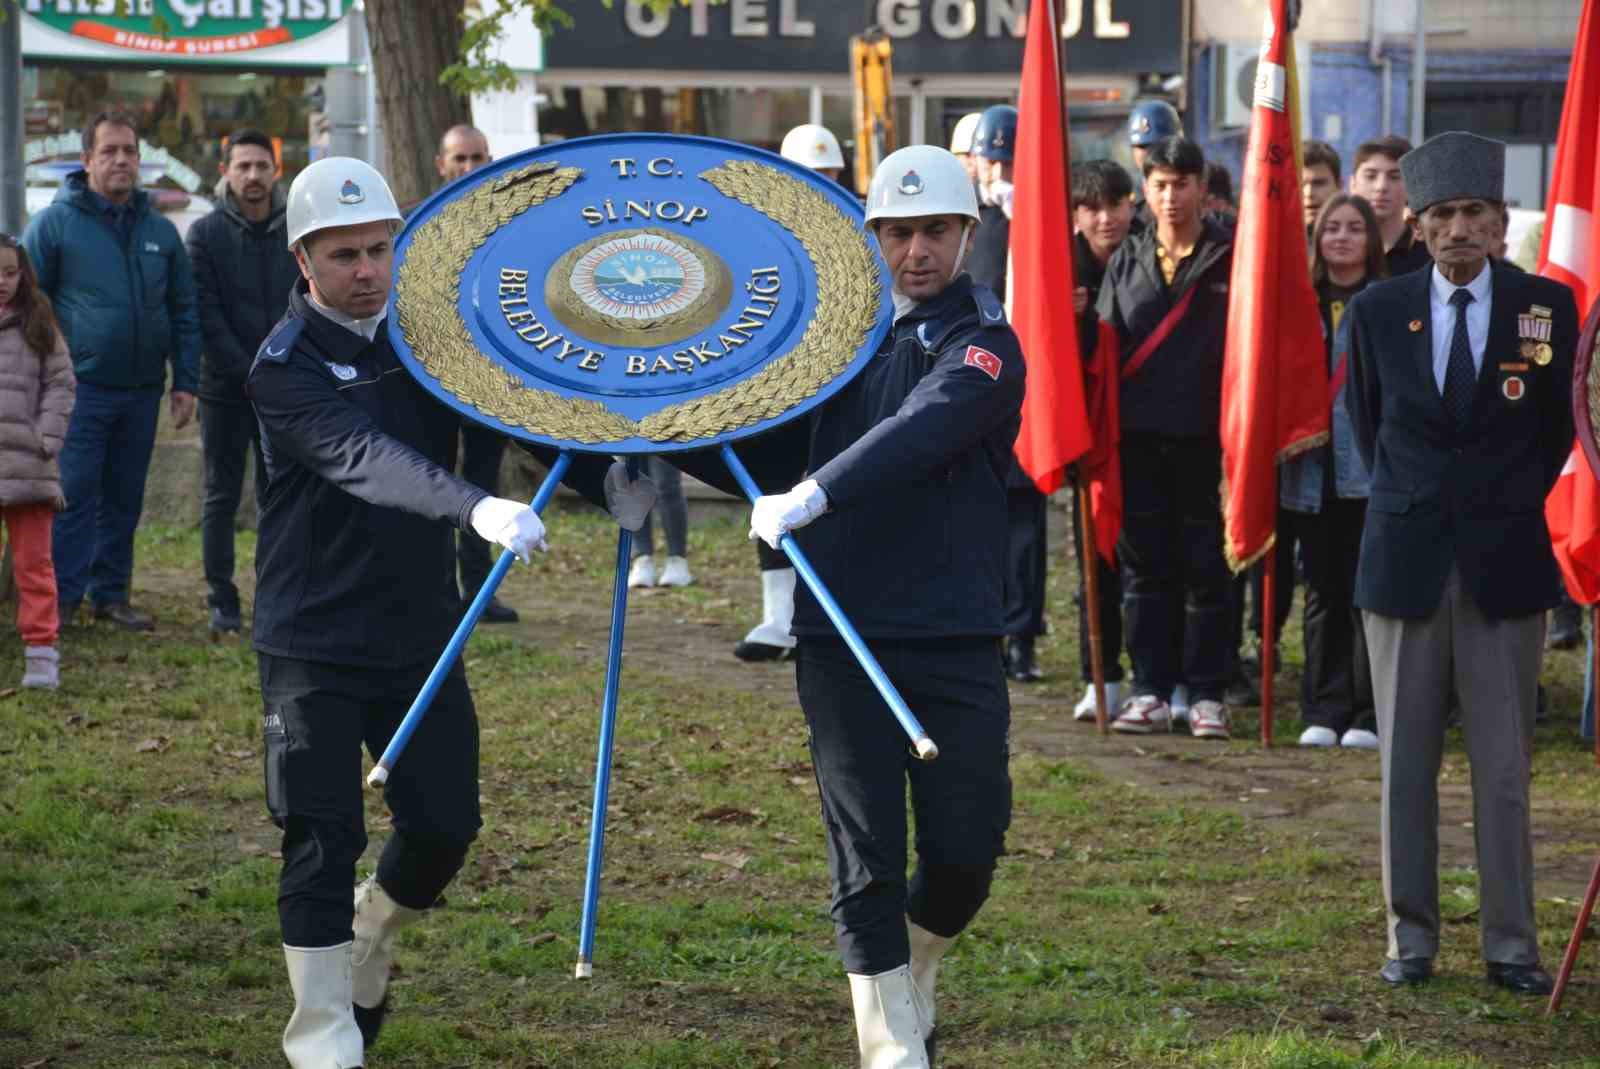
(1454, 166)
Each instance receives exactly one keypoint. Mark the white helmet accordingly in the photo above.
(920, 180)
(961, 137)
(812, 146)
(338, 191)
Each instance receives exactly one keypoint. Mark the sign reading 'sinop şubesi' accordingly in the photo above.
(185, 29)
(638, 293)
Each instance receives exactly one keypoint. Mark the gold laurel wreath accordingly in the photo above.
(429, 289)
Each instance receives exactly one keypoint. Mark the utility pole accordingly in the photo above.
(12, 193)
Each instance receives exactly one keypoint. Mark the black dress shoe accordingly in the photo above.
(1407, 971)
(498, 612)
(125, 616)
(762, 651)
(1021, 665)
(1520, 979)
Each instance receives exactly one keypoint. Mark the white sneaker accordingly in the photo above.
(1317, 735)
(1084, 710)
(1143, 714)
(1359, 739)
(676, 573)
(1208, 720)
(642, 572)
(1180, 703)
(43, 667)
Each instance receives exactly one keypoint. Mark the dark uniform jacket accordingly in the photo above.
(1178, 391)
(991, 245)
(243, 272)
(355, 560)
(912, 455)
(1471, 497)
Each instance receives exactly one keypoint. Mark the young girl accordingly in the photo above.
(36, 393)
(1324, 493)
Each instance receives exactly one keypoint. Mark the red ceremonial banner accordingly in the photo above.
(1274, 378)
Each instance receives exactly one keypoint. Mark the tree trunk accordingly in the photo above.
(412, 43)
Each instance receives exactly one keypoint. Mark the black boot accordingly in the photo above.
(1021, 665)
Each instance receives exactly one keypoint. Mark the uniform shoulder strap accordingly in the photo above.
(280, 343)
(981, 310)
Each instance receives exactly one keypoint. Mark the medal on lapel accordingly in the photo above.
(1534, 326)
(1512, 388)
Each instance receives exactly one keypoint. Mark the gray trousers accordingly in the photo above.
(1492, 668)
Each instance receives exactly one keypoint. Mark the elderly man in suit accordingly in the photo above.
(1461, 380)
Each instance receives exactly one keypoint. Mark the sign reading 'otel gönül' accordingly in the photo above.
(188, 27)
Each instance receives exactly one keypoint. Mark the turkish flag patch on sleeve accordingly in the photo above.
(984, 361)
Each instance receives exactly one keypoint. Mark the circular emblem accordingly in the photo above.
(350, 193)
(1544, 354)
(911, 183)
(638, 293)
(1528, 349)
(342, 372)
(639, 287)
(1513, 388)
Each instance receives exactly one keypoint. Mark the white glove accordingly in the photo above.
(775, 515)
(628, 500)
(510, 524)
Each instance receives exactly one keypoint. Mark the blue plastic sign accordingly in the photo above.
(633, 294)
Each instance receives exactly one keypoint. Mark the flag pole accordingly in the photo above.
(1594, 674)
(1269, 636)
(1570, 959)
(1089, 561)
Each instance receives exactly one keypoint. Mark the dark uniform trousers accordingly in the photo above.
(1336, 687)
(317, 717)
(1175, 581)
(961, 801)
(1026, 561)
(481, 452)
(229, 435)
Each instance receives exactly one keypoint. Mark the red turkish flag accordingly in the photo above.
(1568, 253)
(1274, 378)
(1055, 427)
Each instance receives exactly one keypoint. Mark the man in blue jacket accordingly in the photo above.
(120, 280)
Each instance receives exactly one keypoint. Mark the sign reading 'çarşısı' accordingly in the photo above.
(638, 293)
(188, 27)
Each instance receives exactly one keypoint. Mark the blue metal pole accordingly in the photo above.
(419, 708)
(920, 742)
(602, 762)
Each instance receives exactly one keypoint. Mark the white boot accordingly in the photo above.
(378, 920)
(891, 1020)
(322, 1032)
(770, 639)
(42, 666)
(926, 951)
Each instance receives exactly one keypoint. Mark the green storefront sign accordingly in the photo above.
(188, 28)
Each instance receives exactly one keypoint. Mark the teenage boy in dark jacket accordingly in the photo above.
(243, 271)
(1166, 293)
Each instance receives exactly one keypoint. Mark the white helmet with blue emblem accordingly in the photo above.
(338, 191)
(920, 180)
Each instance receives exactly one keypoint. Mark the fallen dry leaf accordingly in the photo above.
(728, 814)
(158, 744)
(733, 859)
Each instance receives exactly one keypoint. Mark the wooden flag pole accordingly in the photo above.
(1269, 638)
(1089, 561)
(1571, 957)
(1594, 675)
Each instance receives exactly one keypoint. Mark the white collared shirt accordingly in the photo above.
(367, 328)
(1444, 320)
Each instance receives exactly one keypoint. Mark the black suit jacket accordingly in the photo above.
(1443, 495)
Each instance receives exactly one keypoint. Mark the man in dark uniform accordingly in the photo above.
(355, 601)
(1102, 211)
(1166, 293)
(994, 144)
(462, 150)
(1460, 399)
(902, 511)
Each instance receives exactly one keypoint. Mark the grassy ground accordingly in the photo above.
(1163, 903)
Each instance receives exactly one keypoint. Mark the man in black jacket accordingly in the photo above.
(243, 271)
(1460, 397)
(1166, 293)
(355, 602)
(902, 512)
